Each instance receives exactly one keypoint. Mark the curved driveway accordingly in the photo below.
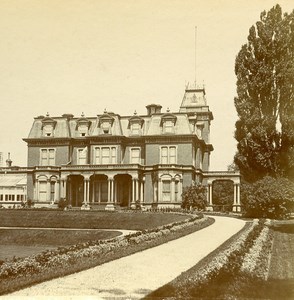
(135, 276)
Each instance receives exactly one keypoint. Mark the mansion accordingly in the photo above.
(110, 161)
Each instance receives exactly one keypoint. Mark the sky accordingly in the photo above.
(74, 56)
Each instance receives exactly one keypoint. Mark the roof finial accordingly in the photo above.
(105, 111)
(135, 113)
(168, 110)
(47, 115)
(82, 115)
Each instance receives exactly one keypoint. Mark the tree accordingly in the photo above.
(194, 196)
(223, 193)
(265, 98)
(268, 198)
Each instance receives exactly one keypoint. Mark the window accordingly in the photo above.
(177, 191)
(82, 156)
(83, 130)
(48, 130)
(166, 190)
(52, 190)
(135, 156)
(199, 130)
(1, 197)
(105, 155)
(168, 155)
(42, 191)
(135, 128)
(105, 126)
(47, 157)
(168, 127)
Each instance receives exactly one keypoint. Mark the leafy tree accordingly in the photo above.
(265, 103)
(268, 198)
(194, 196)
(223, 193)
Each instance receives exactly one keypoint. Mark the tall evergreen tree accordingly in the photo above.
(265, 103)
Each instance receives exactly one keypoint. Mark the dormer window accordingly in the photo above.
(105, 127)
(48, 126)
(105, 123)
(48, 130)
(168, 122)
(135, 124)
(83, 125)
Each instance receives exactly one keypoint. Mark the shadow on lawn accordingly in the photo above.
(284, 228)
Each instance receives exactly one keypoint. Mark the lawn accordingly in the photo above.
(85, 219)
(235, 285)
(24, 242)
(281, 273)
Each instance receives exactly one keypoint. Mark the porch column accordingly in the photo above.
(93, 190)
(108, 189)
(88, 191)
(133, 190)
(235, 194)
(109, 205)
(64, 189)
(85, 191)
(36, 190)
(209, 197)
(115, 191)
(99, 191)
(236, 205)
(142, 190)
(69, 196)
(159, 199)
(137, 189)
(56, 192)
(180, 191)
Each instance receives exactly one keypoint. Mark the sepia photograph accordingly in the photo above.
(147, 149)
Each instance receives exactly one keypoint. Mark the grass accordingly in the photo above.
(15, 283)
(20, 243)
(85, 219)
(24, 242)
(279, 285)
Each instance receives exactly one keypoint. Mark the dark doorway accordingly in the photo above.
(75, 191)
(124, 189)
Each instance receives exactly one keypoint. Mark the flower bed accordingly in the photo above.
(224, 273)
(65, 260)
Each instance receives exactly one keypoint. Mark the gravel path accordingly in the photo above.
(135, 276)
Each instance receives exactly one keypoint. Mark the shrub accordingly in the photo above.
(268, 198)
(194, 197)
(62, 204)
(30, 203)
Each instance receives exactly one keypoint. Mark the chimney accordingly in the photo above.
(8, 161)
(153, 109)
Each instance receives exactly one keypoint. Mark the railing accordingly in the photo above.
(108, 166)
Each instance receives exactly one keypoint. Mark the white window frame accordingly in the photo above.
(166, 194)
(168, 154)
(47, 158)
(48, 130)
(136, 131)
(79, 158)
(131, 157)
(112, 158)
(83, 130)
(168, 124)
